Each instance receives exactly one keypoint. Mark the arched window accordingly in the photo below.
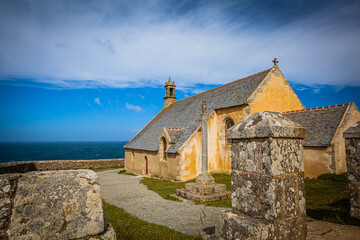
(228, 124)
(162, 148)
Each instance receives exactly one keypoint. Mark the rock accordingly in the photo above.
(54, 205)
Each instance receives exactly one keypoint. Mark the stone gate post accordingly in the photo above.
(352, 148)
(267, 178)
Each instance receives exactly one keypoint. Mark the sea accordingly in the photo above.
(30, 151)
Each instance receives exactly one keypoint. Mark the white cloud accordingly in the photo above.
(133, 107)
(53, 43)
(97, 101)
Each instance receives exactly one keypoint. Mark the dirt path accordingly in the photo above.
(126, 192)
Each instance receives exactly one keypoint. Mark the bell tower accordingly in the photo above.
(169, 93)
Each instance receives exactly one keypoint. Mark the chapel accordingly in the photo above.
(169, 146)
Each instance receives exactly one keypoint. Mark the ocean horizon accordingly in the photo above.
(61, 150)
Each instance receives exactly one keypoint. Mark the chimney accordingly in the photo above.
(169, 93)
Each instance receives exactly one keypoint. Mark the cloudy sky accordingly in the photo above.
(94, 70)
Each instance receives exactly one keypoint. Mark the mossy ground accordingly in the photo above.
(129, 227)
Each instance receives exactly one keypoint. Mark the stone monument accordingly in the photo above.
(352, 148)
(268, 195)
(204, 189)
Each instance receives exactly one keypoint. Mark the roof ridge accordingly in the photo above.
(225, 84)
(174, 128)
(317, 108)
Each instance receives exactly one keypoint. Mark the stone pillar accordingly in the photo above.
(204, 141)
(268, 196)
(204, 177)
(352, 148)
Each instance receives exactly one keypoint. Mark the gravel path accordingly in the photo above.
(128, 193)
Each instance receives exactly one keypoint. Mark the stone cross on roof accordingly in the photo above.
(275, 61)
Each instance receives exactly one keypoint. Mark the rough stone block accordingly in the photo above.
(204, 193)
(355, 212)
(236, 226)
(354, 194)
(268, 197)
(57, 205)
(352, 147)
(267, 156)
(8, 184)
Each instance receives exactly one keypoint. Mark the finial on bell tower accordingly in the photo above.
(169, 93)
(275, 61)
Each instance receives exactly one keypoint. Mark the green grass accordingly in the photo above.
(126, 173)
(327, 199)
(104, 169)
(163, 187)
(129, 227)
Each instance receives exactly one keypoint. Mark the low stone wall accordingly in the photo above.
(52, 205)
(27, 166)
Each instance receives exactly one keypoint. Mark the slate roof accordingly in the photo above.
(186, 113)
(320, 123)
(174, 133)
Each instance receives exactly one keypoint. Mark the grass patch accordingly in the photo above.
(104, 169)
(327, 199)
(129, 227)
(126, 173)
(163, 187)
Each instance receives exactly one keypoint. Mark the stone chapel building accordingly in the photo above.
(169, 146)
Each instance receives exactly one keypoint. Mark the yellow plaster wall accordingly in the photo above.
(276, 96)
(218, 149)
(317, 161)
(352, 116)
(135, 163)
(190, 160)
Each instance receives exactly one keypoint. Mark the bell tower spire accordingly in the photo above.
(169, 93)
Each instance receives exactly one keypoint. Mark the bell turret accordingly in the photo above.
(169, 93)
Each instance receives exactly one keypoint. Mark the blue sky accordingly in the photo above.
(94, 70)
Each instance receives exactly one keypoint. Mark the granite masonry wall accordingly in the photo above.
(268, 196)
(352, 148)
(26, 166)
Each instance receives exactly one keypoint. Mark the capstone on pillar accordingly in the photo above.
(352, 148)
(268, 195)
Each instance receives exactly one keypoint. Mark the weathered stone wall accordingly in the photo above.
(268, 195)
(352, 146)
(52, 205)
(22, 167)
